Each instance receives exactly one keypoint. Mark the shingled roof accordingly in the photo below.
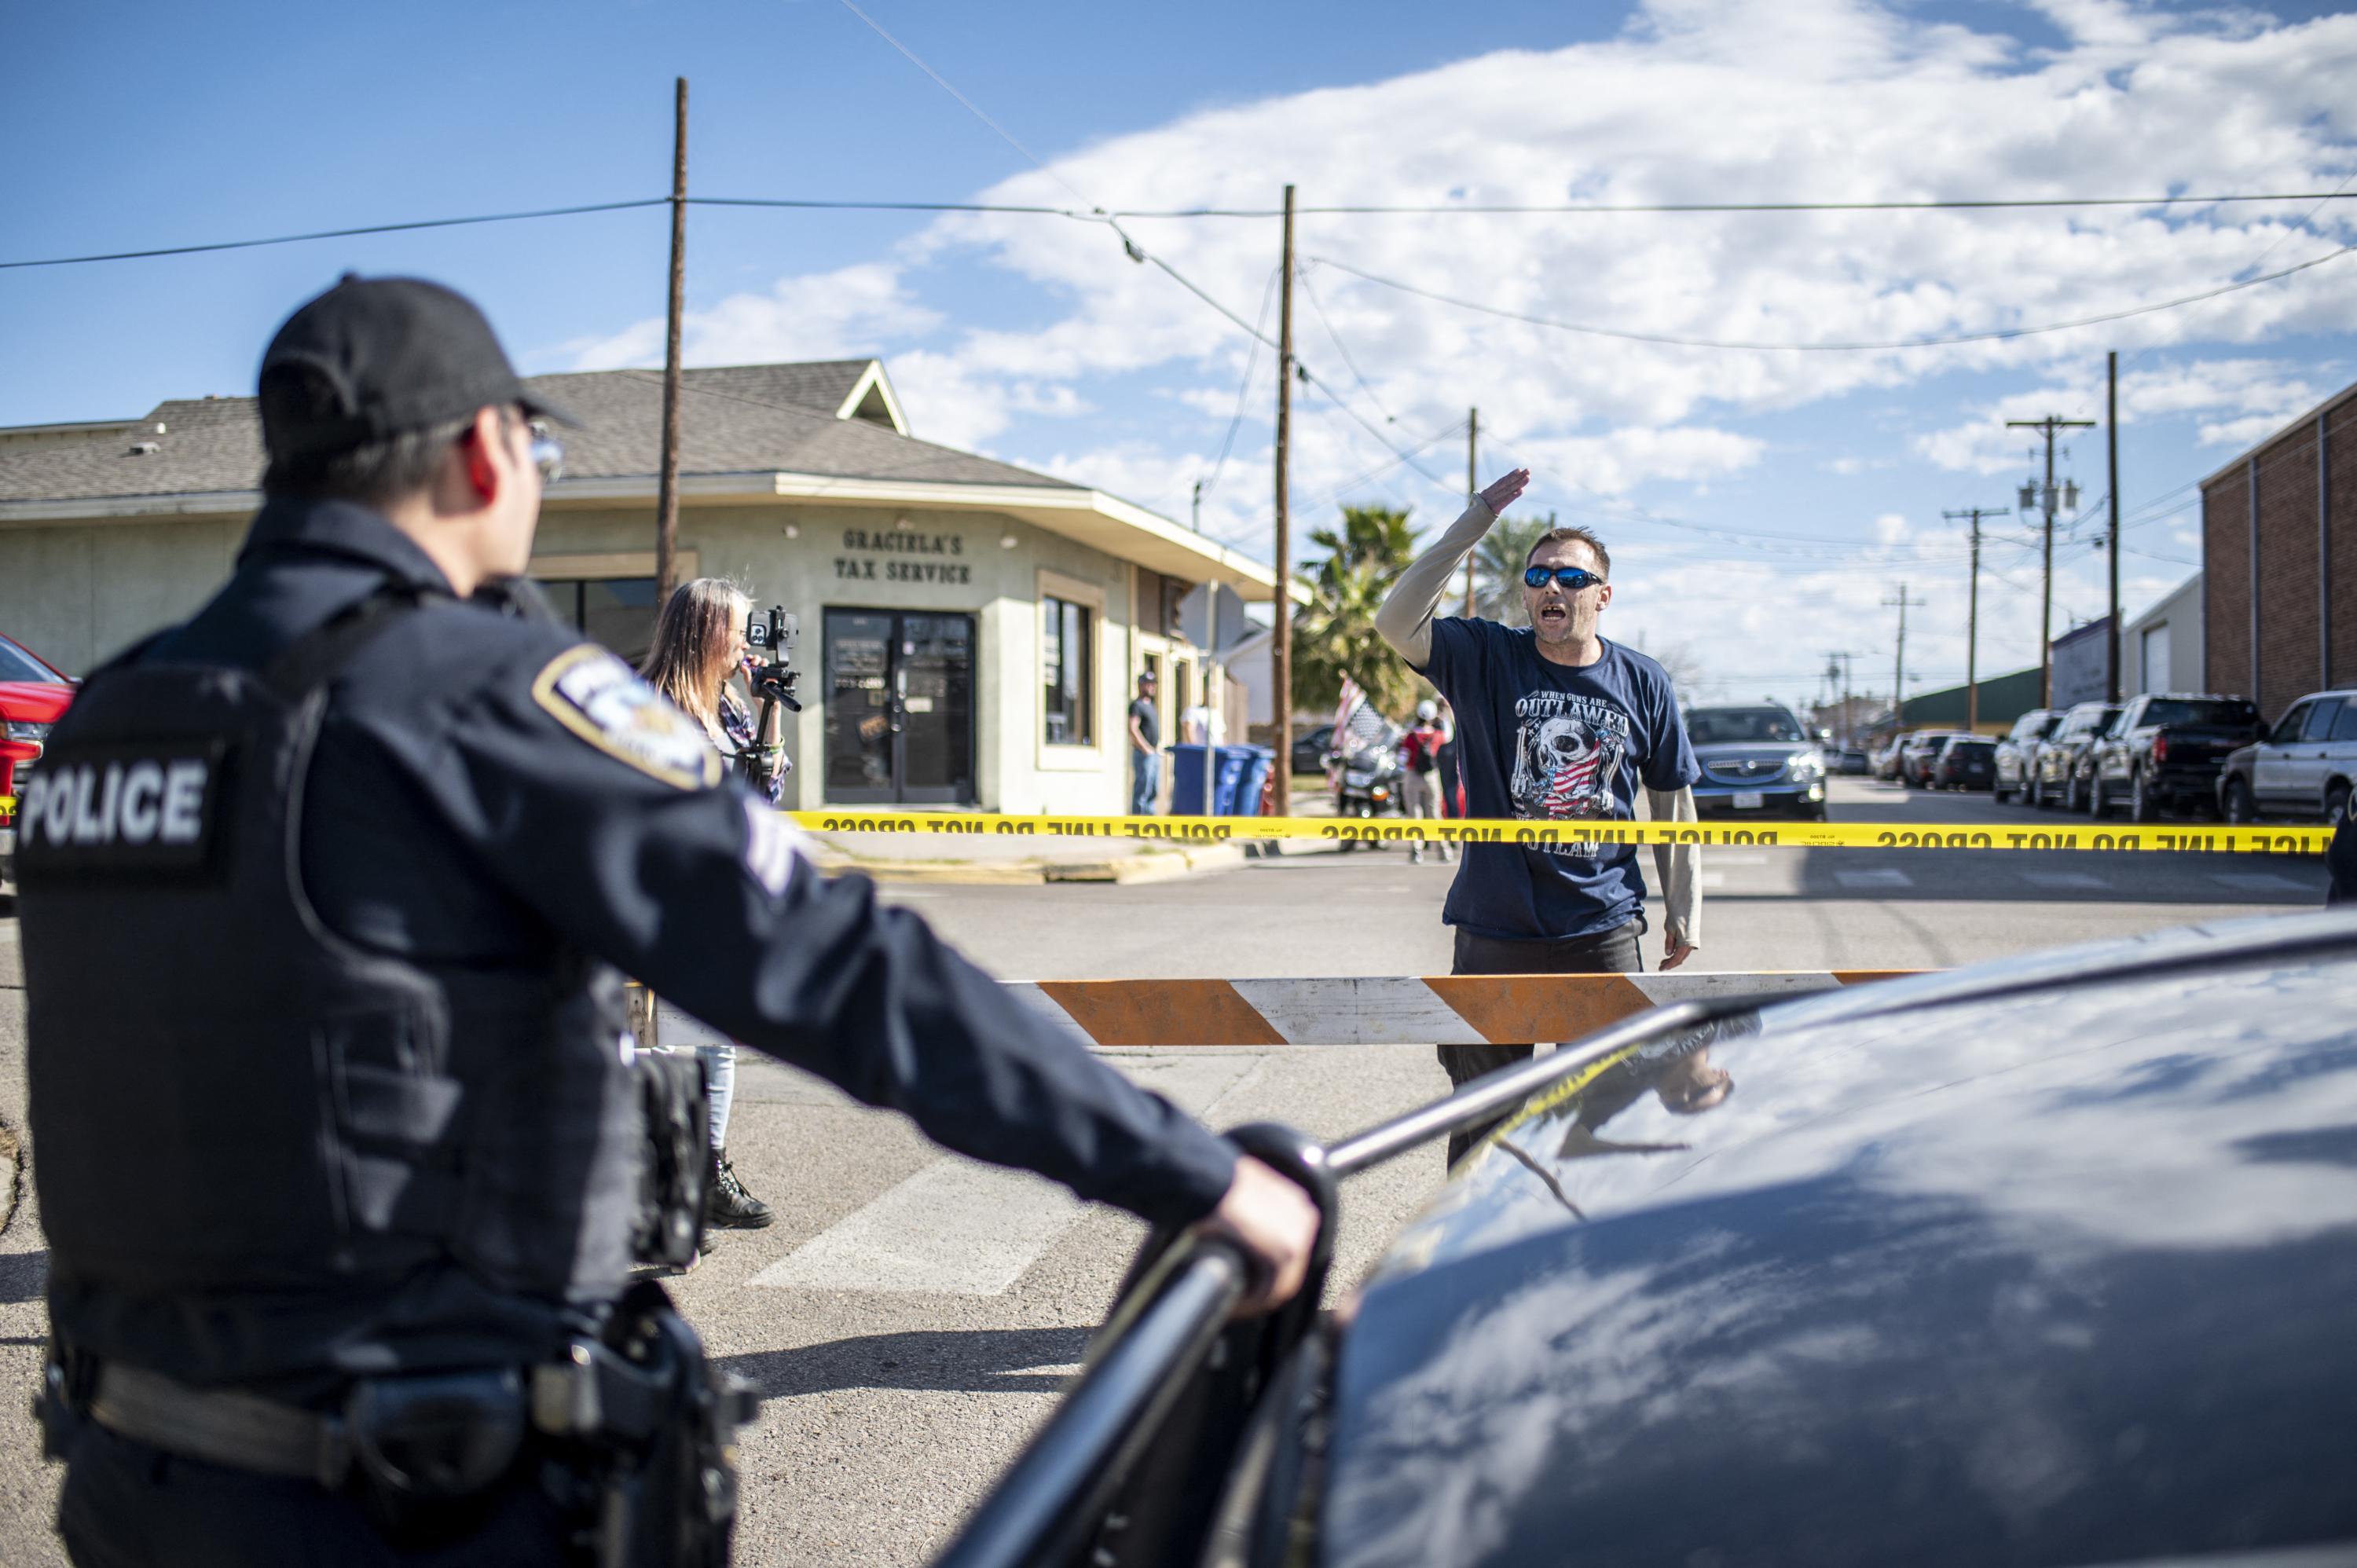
(746, 419)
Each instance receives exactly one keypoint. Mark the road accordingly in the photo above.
(910, 1315)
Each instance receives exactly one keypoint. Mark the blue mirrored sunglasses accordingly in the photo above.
(1572, 578)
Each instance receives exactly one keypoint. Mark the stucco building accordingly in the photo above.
(971, 630)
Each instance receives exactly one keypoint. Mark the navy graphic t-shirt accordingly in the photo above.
(1560, 744)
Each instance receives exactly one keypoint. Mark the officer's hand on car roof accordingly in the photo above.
(1273, 1220)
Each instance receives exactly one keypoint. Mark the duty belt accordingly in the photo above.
(593, 1392)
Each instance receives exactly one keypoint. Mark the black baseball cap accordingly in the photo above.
(397, 354)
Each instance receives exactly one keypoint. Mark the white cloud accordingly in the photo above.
(840, 314)
(1127, 381)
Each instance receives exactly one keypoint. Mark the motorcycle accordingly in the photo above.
(1368, 782)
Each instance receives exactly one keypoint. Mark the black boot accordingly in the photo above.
(728, 1207)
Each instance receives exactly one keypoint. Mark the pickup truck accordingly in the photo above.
(32, 696)
(2165, 753)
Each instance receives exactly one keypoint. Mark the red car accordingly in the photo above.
(32, 695)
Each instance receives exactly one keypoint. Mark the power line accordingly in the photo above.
(1994, 335)
(1252, 357)
(1327, 322)
(337, 233)
(1609, 208)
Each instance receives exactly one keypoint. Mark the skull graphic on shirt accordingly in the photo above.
(1564, 767)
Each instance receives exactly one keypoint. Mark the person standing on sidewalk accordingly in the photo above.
(1419, 753)
(1145, 743)
(699, 643)
(1555, 724)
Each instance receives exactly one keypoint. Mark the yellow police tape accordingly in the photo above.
(2184, 839)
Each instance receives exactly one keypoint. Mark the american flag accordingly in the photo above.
(1572, 783)
(1357, 725)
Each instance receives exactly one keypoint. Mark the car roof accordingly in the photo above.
(1954, 1269)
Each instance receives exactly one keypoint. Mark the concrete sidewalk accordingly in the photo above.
(996, 862)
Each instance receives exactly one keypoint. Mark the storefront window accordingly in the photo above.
(1065, 663)
(617, 611)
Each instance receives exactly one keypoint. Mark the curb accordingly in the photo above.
(1155, 866)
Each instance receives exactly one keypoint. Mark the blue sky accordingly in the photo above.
(1034, 340)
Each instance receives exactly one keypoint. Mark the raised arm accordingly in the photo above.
(1405, 619)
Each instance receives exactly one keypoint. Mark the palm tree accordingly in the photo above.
(1497, 568)
(1335, 634)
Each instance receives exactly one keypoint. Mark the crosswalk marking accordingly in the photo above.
(1879, 877)
(2260, 881)
(961, 1228)
(2062, 879)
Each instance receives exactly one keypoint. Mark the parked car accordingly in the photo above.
(1885, 758)
(1854, 763)
(1965, 762)
(2304, 767)
(1757, 757)
(2044, 1260)
(33, 696)
(1309, 751)
(2016, 754)
(2061, 774)
(2167, 752)
(1922, 749)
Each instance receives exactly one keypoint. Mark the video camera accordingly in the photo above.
(770, 633)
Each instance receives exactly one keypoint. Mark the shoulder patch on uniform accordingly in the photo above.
(605, 702)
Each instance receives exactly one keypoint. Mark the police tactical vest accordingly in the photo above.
(229, 1100)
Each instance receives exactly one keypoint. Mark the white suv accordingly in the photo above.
(2304, 767)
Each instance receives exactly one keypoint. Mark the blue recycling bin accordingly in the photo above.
(1243, 772)
(1186, 765)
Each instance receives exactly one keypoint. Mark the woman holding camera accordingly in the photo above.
(699, 643)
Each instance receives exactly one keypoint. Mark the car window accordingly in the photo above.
(2320, 716)
(18, 665)
(2345, 726)
(2287, 727)
(1717, 726)
(2212, 711)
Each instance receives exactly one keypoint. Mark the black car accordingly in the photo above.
(1922, 750)
(2047, 1260)
(1967, 762)
(2061, 773)
(1309, 751)
(2167, 752)
(2016, 754)
(1757, 757)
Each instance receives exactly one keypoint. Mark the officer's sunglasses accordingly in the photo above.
(1572, 578)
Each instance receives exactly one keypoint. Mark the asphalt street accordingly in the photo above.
(911, 1314)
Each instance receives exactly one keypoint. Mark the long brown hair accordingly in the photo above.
(692, 634)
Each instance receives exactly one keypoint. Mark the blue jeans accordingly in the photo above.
(720, 1078)
(1146, 777)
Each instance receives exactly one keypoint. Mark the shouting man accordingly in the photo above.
(1555, 726)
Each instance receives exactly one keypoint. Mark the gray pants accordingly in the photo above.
(1615, 951)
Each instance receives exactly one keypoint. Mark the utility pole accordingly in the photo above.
(1198, 506)
(2112, 455)
(1899, 674)
(1840, 661)
(667, 485)
(2049, 426)
(1973, 613)
(1472, 489)
(1280, 661)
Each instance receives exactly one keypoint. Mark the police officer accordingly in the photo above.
(338, 1138)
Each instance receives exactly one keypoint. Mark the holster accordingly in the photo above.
(658, 1427)
(677, 1168)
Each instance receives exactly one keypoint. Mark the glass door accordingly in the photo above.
(900, 711)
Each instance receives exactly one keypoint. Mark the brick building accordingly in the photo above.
(2283, 517)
